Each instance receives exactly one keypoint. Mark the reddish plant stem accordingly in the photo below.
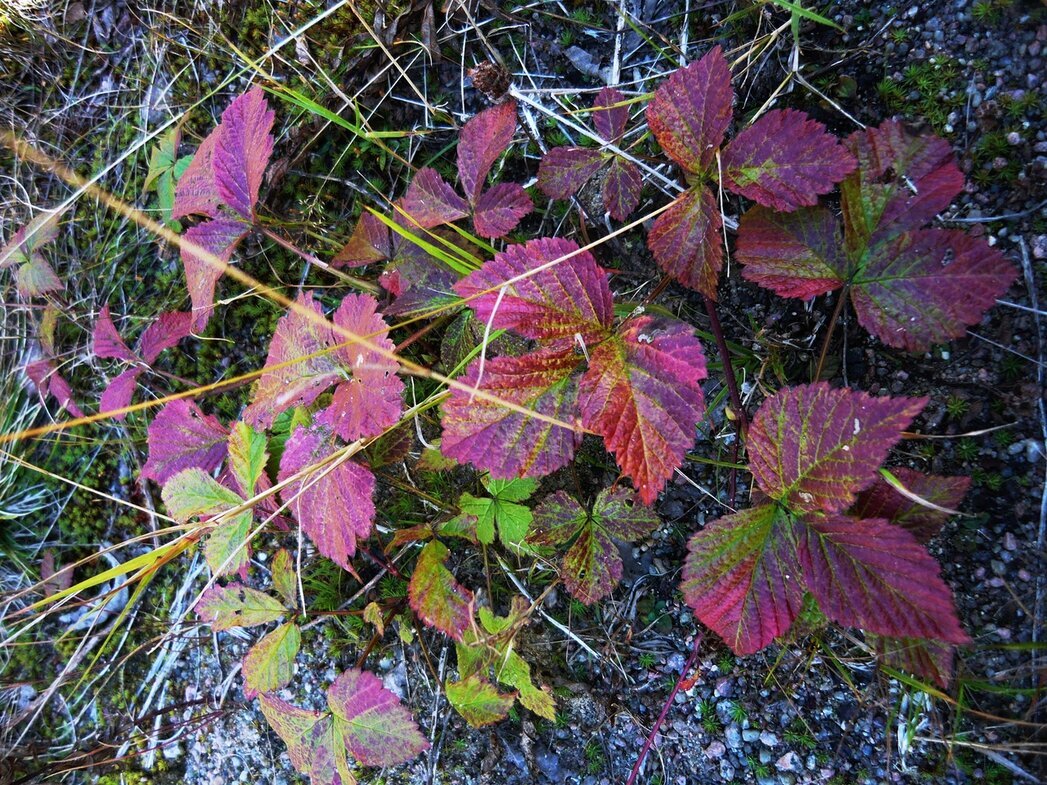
(312, 259)
(665, 710)
(741, 424)
(829, 334)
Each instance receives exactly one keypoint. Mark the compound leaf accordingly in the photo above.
(431, 201)
(564, 170)
(483, 139)
(641, 393)
(182, 437)
(478, 701)
(883, 501)
(813, 447)
(500, 208)
(313, 743)
(218, 237)
(269, 665)
(242, 151)
(197, 192)
(376, 728)
(236, 605)
(686, 242)
(438, 599)
(106, 341)
(36, 278)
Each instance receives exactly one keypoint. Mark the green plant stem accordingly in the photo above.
(829, 334)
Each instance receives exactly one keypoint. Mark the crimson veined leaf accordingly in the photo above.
(500, 208)
(570, 298)
(621, 188)
(478, 700)
(197, 192)
(641, 393)
(592, 566)
(373, 724)
(168, 329)
(314, 744)
(332, 502)
(884, 501)
(432, 201)
(813, 447)
(609, 114)
(180, 437)
(269, 664)
(438, 599)
(482, 141)
(742, 577)
(119, 392)
(873, 575)
(236, 605)
(686, 243)
(564, 170)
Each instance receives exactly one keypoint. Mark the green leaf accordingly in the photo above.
(436, 596)
(478, 701)
(515, 490)
(195, 492)
(247, 456)
(228, 551)
(515, 672)
(269, 665)
(285, 578)
(236, 605)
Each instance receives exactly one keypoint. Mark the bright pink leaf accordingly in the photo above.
(483, 139)
(690, 112)
(168, 329)
(609, 119)
(785, 160)
(686, 241)
(242, 152)
(119, 392)
(883, 501)
(438, 599)
(196, 192)
(554, 304)
(622, 185)
(813, 447)
(358, 315)
(642, 394)
(370, 242)
(333, 506)
(376, 727)
(302, 380)
(505, 442)
(797, 254)
(183, 437)
(220, 238)
(500, 208)
(431, 201)
(741, 577)
(564, 170)
(107, 342)
(870, 574)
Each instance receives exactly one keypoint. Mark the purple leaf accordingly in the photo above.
(431, 201)
(438, 599)
(564, 170)
(883, 501)
(642, 394)
(813, 447)
(165, 333)
(376, 728)
(785, 160)
(621, 188)
(119, 392)
(483, 139)
(500, 208)
(196, 191)
(332, 505)
(106, 340)
(505, 442)
(609, 119)
(220, 238)
(686, 241)
(554, 304)
(236, 605)
(690, 112)
(182, 437)
(242, 151)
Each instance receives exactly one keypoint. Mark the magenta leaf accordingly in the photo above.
(621, 188)
(219, 238)
(690, 112)
(686, 242)
(370, 243)
(314, 744)
(564, 170)
(438, 599)
(375, 727)
(48, 381)
(592, 566)
(119, 392)
(813, 447)
(610, 120)
(106, 340)
(299, 366)
(785, 160)
(883, 501)
(236, 605)
(242, 151)
(483, 139)
(500, 208)
(928, 659)
(741, 577)
(196, 191)
(169, 328)
(642, 394)
(333, 501)
(554, 304)
(431, 201)
(797, 254)
(871, 574)
(182, 437)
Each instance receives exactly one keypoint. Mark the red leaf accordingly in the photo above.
(690, 112)
(219, 237)
(741, 577)
(785, 160)
(553, 304)
(107, 341)
(48, 381)
(332, 505)
(814, 448)
(621, 188)
(438, 599)
(686, 242)
(196, 191)
(564, 170)
(883, 501)
(927, 659)
(298, 383)
(642, 394)
(483, 139)
(242, 151)
(500, 208)
(609, 119)
(431, 201)
(183, 437)
(165, 333)
(53, 580)
(928, 286)
(119, 392)
(795, 254)
(505, 442)
(870, 574)
(370, 243)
